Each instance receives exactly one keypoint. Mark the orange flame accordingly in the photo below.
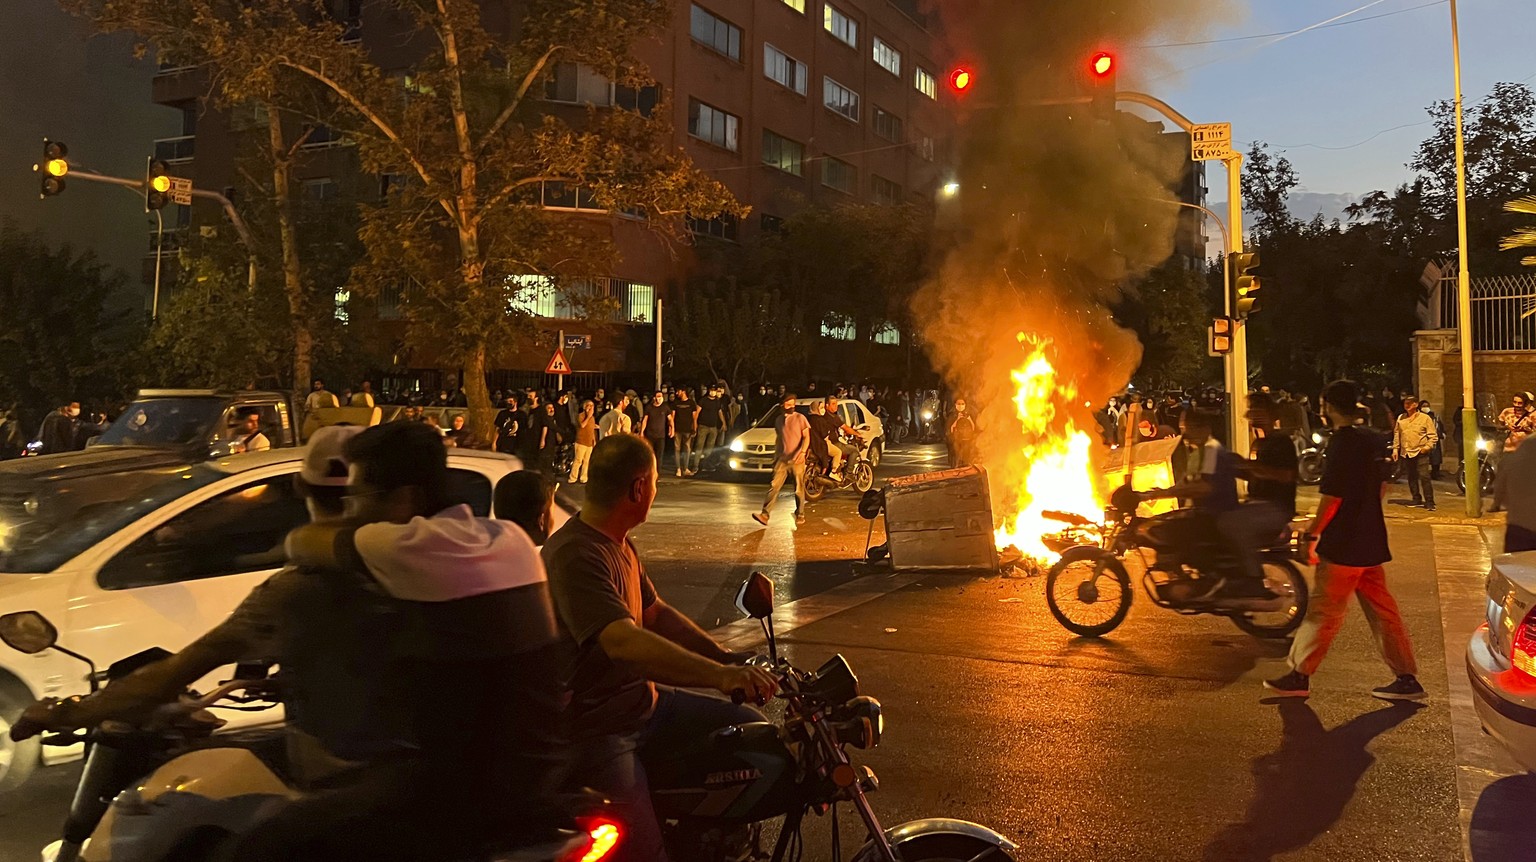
(1059, 473)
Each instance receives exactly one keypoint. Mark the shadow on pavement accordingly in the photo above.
(1502, 826)
(1301, 788)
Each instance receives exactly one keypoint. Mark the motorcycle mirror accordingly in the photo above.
(755, 598)
(28, 632)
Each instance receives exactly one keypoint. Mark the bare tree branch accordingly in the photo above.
(517, 99)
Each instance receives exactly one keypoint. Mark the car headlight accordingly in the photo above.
(861, 723)
(1482, 444)
(738, 446)
(1317, 437)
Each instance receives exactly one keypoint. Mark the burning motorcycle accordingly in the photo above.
(1089, 590)
(161, 790)
(746, 774)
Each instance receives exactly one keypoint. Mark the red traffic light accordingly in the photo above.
(1102, 65)
(961, 79)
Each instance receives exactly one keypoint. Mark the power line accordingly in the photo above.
(1272, 41)
(1294, 32)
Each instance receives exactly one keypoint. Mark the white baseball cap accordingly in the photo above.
(325, 460)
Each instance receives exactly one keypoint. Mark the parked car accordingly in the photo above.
(753, 450)
(127, 549)
(1501, 657)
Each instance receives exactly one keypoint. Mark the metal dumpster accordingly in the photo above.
(941, 521)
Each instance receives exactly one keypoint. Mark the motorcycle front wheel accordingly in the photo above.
(1285, 580)
(863, 476)
(952, 848)
(1309, 468)
(1088, 591)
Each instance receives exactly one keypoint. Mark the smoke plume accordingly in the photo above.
(1057, 208)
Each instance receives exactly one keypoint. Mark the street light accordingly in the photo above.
(951, 189)
(1469, 429)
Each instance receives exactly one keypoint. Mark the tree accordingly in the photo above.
(1524, 237)
(1266, 183)
(214, 332)
(736, 334)
(60, 337)
(1169, 310)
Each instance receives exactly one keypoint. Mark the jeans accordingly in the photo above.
(1330, 602)
(579, 464)
(1419, 486)
(781, 472)
(615, 765)
(709, 438)
(1249, 528)
(685, 452)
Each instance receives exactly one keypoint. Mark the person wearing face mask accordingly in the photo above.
(59, 429)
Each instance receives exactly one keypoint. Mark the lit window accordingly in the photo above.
(784, 154)
(784, 69)
(797, 5)
(838, 328)
(712, 125)
(842, 28)
(837, 174)
(888, 334)
(887, 125)
(922, 143)
(716, 33)
(923, 80)
(840, 99)
(886, 57)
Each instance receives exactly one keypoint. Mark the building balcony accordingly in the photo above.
(178, 85)
(177, 150)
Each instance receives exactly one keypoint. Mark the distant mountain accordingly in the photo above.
(1303, 205)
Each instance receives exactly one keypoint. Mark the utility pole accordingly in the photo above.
(1470, 433)
(658, 344)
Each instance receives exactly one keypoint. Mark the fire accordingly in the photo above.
(1056, 461)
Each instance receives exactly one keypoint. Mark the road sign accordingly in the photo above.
(557, 364)
(577, 342)
(181, 190)
(1208, 141)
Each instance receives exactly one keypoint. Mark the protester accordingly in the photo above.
(656, 427)
(793, 436)
(616, 420)
(1413, 439)
(712, 422)
(1517, 421)
(58, 433)
(509, 424)
(319, 397)
(586, 439)
(961, 436)
(685, 424)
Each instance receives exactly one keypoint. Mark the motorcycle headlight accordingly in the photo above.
(738, 446)
(862, 723)
(927, 415)
(1482, 444)
(1317, 437)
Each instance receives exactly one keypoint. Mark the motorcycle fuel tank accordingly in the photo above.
(740, 774)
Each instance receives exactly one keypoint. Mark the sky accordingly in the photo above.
(1339, 101)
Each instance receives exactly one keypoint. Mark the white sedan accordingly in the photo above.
(754, 450)
(1501, 658)
(127, 549)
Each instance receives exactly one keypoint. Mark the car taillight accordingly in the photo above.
(1522, 653)
(602, 839)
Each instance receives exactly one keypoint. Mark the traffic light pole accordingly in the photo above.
(228, 205)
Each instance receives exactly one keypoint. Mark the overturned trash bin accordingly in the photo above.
(941, 521)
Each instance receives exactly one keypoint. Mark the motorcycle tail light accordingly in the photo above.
(1522, 654)
(602, 840)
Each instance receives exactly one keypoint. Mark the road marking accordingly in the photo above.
(1461, 556)
(746, 634)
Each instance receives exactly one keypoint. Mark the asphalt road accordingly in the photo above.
(1153, 744)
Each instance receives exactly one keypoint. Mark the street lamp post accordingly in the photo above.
(1469, 428)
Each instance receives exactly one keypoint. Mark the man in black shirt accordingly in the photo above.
(509, 427)
(823, 426)
(1271, 503)
(1350, 548)
(685, 423)
(656, 427)
(711, 421)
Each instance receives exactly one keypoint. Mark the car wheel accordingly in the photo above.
(17, 759)
(876, 452)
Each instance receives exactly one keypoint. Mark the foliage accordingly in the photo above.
(1169, 310)
(60, 338)
(214, 332)
(1267, 182)
(1524, 237)
(736, 334)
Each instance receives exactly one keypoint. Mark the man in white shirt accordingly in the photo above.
(616, 421)
(248, 436)
(319, 397)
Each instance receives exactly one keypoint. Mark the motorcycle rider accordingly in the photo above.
(840, 436)
(824, 428)
(1271, 474)
(630, 653)
(1208, 483)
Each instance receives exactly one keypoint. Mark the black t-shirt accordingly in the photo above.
(711, 414)
(682, 417)
(528, 438)
(823, 426)
(1355, 470)
(1278, 453)
(509, 426)
(656, 420)
(596, 581)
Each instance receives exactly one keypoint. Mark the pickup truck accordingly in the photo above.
(199, 424)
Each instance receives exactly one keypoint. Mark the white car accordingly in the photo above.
(1501, 658)
(125, 549)
(754, 450)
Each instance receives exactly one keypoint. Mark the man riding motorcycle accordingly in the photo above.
(627, 648)
(841, 449)
(1271, 503)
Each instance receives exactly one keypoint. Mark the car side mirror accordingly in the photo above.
(755, 598)
(30, 632)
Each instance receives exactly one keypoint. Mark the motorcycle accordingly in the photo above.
(1487, 469)
(858, 472)
(746, 774)
(160, 790)
(1311, 455)
(1089, 590)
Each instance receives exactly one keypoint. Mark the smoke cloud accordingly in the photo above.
(1057, 209)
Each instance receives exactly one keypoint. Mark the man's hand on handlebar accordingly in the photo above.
(40, 717)
(747, 683)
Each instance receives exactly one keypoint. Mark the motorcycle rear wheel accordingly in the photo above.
(815, 485)
(1282, 577)
(1088, 591)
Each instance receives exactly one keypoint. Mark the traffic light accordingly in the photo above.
(961, 79)
(1103, 69)
(157, 185)
(1245, 282)
(1221, 337)
(52, 168)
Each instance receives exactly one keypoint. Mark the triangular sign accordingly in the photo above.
(557, 364)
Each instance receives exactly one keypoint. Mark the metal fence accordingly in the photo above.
(1503, 311)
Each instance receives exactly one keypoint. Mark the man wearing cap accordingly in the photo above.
(1414, 437)
(1349, 550)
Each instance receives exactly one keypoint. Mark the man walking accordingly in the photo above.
(1413, 439)
(616, 421)
(712, 422)
(794, 439)
(685, 423)
(1351, 546)
(656, 427)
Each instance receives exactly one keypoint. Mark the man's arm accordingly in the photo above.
(1397, 440)
(661, 660)
(663, 619)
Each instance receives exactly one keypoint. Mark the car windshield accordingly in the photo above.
(165, 422)
(44, 525)
(776, 411)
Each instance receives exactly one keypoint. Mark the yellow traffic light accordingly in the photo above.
(56, 167)
(161, 184)
(157, 183)
(52, 167)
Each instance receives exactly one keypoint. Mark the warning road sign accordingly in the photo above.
(557, 364)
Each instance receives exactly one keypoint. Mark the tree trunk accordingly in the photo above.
(293, 276)
(482, 414)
